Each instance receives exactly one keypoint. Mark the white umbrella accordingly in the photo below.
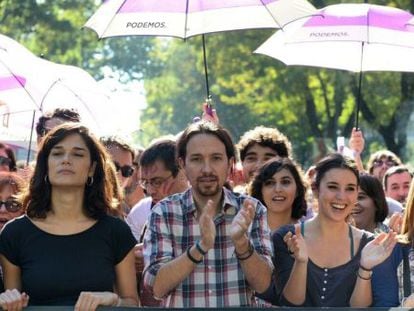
(355, 37)
(187, 18)
(29, 83)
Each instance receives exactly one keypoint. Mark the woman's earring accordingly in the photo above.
(46, 179)
(89, 181)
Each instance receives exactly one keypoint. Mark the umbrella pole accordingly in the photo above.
(359, 89)
(206, 70)
(31, 138)
(358, 101)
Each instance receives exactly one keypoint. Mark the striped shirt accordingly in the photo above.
(219, 280)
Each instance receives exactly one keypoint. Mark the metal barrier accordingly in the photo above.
(69, 308)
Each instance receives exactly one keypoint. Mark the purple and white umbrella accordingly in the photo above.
(355, 37)
(30, 85)
(187, 18)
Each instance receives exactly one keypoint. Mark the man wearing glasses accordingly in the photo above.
(161, 176)
(122, 155)
(380, 161)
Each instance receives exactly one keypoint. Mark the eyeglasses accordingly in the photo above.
(126, 170)
(5, 161)
(155, 182)
(11, 205)
(388, 163)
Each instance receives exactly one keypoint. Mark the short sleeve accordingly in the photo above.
(282, 261)
(9, 242)
(123, 239)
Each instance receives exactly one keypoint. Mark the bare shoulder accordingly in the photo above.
(359, 233)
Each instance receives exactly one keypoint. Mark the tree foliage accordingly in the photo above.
(311, 105)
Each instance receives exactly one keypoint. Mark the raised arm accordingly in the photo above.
(374, 253)
(357, 144)
(256, 268)
(295, 288)
(175, 271)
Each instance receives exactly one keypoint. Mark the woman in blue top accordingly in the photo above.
(67, 250)
(325, 262)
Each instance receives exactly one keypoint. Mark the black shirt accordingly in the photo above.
(56, 268)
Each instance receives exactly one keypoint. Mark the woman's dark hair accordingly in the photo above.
(99, 194)
(267, 171)
(332, 161)
(12, 157)
(373, 188)
(205, 127)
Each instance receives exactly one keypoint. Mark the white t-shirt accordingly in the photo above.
(138, 216)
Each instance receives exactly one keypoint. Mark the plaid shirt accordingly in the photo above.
(219, 280)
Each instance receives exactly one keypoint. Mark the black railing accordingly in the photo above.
(68, 308)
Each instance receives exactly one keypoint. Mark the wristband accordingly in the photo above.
(200, 250)
(247, 254)
(192, 258)
(362, 278)
(365, 269)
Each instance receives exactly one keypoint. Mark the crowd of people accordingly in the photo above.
(195, 220)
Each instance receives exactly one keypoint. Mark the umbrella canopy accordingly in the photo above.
(29, 83)
(355, 37)
(187, 18)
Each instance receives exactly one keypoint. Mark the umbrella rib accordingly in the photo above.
(20, 83)
(103, 33)
(267, 9)
(74, 93)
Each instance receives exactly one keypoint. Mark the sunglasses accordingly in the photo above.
(5, 161)
(126, 170)
(11, 205)
(388, 163)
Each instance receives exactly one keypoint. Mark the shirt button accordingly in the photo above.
(326, 274)
(326, 270)
(325, 281)
(209, 267)
(210, 291)
(323, 297)
(324, 289)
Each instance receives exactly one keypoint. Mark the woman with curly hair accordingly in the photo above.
(280, 186)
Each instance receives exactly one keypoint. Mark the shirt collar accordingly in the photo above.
(230, 204)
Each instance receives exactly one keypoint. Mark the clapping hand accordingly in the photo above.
(207, 226)
(242, 221)
(376, 251)
(296, 245)
(13, 300)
